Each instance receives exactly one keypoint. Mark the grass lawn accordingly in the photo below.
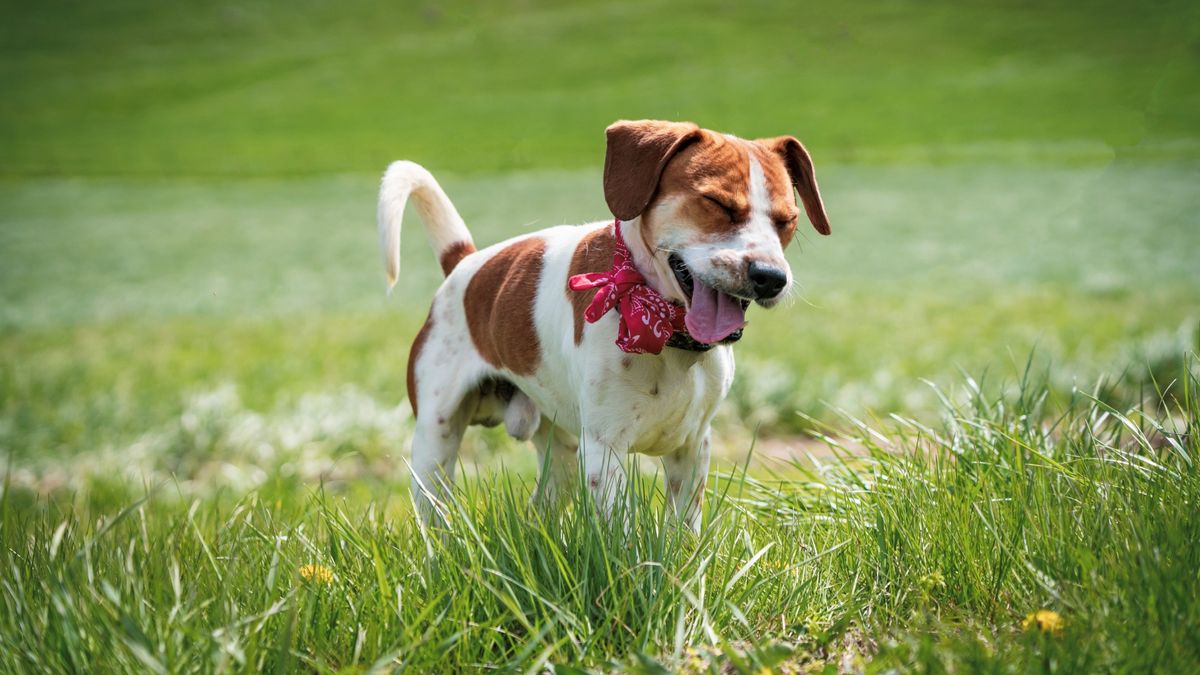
(929, 561)
(201, 377)
(123, 299)
(265, 88)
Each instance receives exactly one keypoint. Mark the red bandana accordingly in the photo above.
(646, 319)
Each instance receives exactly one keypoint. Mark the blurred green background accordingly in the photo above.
(188, 262)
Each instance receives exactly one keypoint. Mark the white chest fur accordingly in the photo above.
(657, 404)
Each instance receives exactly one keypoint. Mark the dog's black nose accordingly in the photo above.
(767, 280)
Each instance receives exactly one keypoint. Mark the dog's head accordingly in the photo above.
(716, 213)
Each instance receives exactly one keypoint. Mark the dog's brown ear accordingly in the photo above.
(636, 155)
(804, 178)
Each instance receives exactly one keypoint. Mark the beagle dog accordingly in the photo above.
(536, 331)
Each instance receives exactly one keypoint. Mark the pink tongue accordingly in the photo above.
(713, 315)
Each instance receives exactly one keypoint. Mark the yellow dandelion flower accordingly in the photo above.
(318, 574)
(1045, 620)
(693, 662)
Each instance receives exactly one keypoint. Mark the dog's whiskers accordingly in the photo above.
(795, 294)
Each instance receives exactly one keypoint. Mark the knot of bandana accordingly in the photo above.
(646, 320)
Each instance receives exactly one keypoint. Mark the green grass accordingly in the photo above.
(269, 88)
(122, 298)
(924, 551)
(192, 312)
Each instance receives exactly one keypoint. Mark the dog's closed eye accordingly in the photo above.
(784, 221)
(730, 211)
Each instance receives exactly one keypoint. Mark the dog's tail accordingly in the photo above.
(445, 228)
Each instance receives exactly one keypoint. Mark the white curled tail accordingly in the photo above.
(446, 230)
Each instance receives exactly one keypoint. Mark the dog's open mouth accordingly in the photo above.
(713, 316)
(682, 274)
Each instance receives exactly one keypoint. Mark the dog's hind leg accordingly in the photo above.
(442, 383)
(435, 445)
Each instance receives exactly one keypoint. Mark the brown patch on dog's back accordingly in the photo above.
(413, 354)
(453, 254)
(499, 306)
(594, 253)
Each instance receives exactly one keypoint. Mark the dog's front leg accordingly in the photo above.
(604, 469)
(686, 471)
(558, 468)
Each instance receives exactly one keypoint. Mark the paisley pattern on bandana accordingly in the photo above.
(646, 320)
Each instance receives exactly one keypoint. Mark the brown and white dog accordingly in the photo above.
(506, 338)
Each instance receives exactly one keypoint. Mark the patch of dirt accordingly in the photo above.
(780, 451)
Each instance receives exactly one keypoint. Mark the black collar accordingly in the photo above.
(681, 340)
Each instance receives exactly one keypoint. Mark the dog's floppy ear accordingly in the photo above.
(804, 178)
(636, 155)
